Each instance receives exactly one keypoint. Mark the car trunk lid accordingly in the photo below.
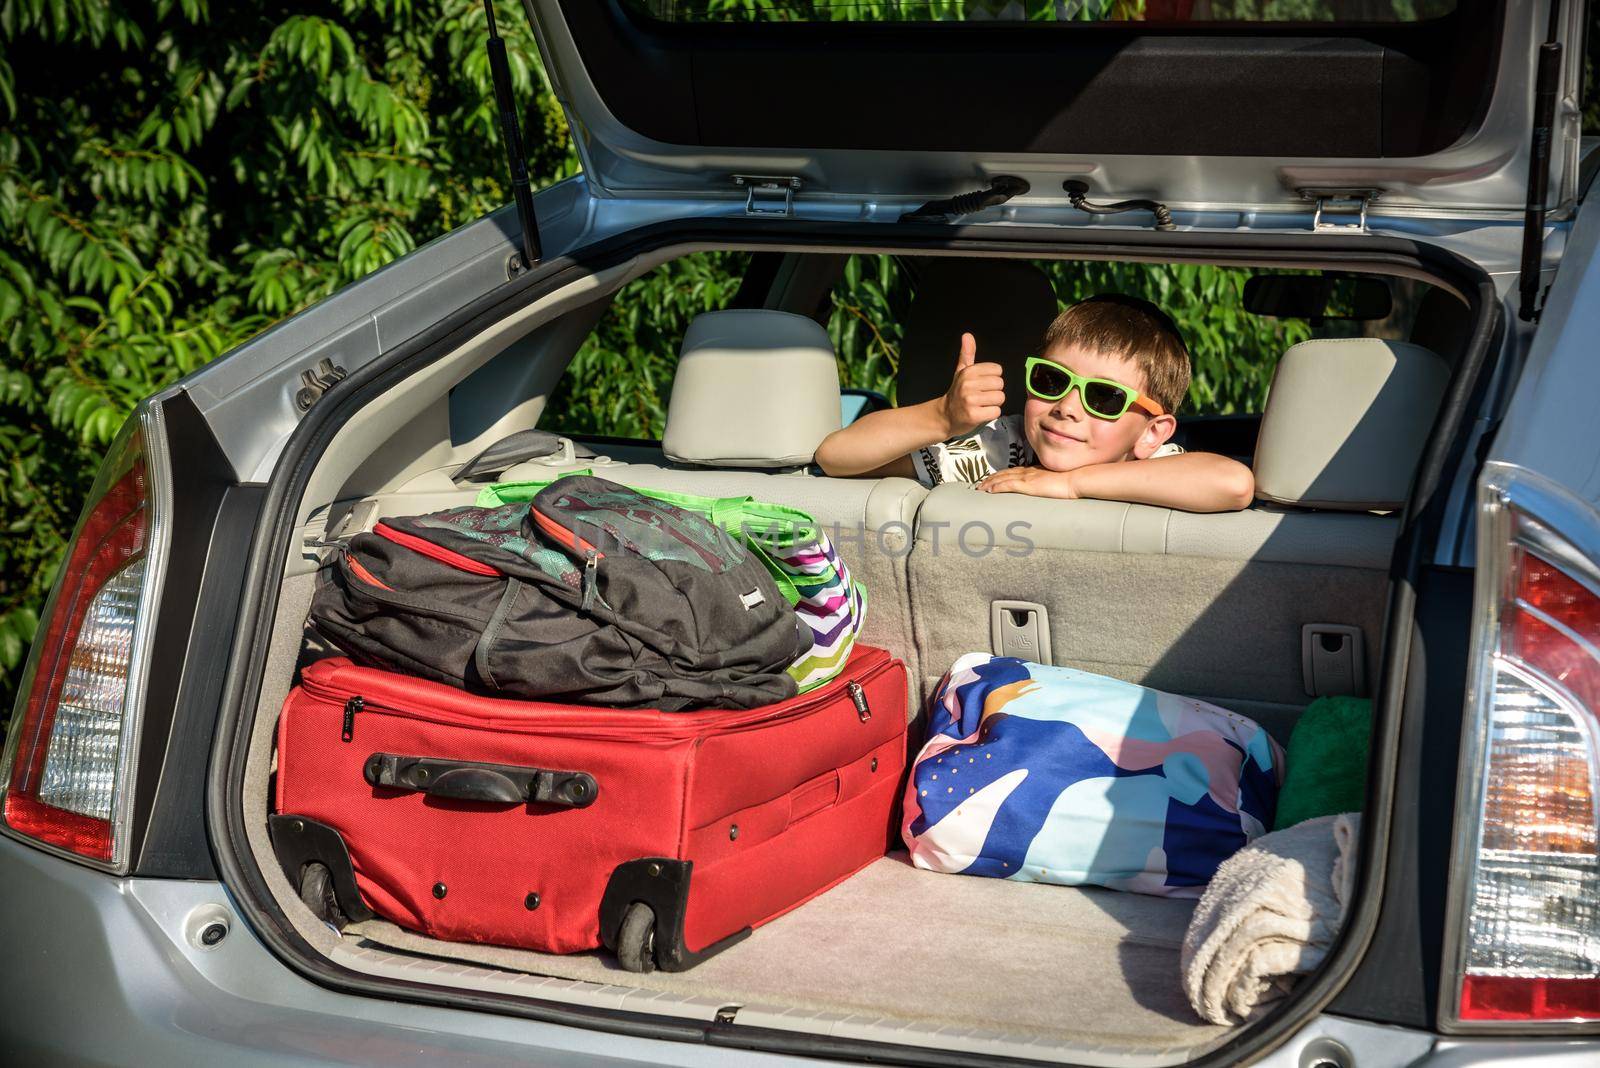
(1423, 116)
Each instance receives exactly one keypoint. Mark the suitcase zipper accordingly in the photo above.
(858, 697)
(351, 707)
(618, 723)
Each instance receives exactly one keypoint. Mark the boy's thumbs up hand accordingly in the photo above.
(977, 390)
(969, 352)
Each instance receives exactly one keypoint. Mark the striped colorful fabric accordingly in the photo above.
(797, 554)
(827, 601)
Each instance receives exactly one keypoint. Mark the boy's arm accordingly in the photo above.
(1191, 481)
(881, 443)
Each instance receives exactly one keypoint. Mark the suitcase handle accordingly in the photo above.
(465, 780)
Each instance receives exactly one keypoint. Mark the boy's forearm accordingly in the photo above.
(1193, 482)
(881, 437)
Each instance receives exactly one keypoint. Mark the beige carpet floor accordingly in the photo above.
(1080, 965)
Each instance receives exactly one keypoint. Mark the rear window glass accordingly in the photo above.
(1234, 351)
(620, 380)
(1324, 12)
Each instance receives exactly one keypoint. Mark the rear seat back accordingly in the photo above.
(1208, 605)
(1211, 606)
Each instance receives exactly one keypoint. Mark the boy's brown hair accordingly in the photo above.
(1136, 329)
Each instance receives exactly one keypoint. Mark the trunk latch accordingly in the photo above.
(768, 194)
(1336, 206)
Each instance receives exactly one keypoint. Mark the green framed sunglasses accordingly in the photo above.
(1104, 398)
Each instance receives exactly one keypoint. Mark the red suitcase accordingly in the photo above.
(663, 836)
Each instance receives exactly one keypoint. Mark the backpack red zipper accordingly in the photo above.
(566, 537)
(436, 552)
(364, 575)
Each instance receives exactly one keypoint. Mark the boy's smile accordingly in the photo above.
(1064, 436)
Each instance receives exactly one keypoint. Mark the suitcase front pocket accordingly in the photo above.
(749, 827)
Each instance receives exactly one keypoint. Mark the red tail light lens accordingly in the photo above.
(1528, 878)
(66, 769)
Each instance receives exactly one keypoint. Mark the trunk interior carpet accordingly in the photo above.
(1083, 966)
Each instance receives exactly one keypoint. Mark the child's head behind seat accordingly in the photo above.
(1112, 340)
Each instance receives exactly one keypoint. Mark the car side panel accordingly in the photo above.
(102, 971)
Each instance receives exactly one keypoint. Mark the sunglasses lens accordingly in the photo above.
(1105, 399)
(1047, 381)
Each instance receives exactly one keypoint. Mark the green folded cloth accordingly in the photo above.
(1327, 760)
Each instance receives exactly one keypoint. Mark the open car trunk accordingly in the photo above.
(894, 954)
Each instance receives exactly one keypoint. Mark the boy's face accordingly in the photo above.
(1064, 436)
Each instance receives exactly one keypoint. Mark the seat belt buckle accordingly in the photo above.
(1333, 660)
(1020, 629)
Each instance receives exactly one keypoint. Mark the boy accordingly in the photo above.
(1100, 408)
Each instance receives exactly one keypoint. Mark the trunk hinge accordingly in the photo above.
(1336, 206)
(511, 133)
(768, 194)
(313, 384)
(1545, 86)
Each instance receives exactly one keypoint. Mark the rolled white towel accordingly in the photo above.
(1268, 917)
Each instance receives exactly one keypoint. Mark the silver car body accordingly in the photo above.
(104, 969)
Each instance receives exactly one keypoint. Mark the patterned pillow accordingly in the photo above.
(1050, 774)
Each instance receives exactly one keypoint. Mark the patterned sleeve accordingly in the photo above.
(925, 462)
(970, 458)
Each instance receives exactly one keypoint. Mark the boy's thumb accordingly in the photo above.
(969, 352)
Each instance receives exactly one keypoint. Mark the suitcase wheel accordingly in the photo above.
(316, 890)
(636, 939)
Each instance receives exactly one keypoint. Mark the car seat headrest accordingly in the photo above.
(1006, 304)
(1345, 423)
(754, 388)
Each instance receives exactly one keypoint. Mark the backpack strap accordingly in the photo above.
(512, 450)
(491, 632)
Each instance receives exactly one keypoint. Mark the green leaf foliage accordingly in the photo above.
(175, 175)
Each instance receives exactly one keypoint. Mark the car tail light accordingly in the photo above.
(1526, 885)
(66, 777)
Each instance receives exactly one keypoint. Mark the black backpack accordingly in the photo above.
(590, 593)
